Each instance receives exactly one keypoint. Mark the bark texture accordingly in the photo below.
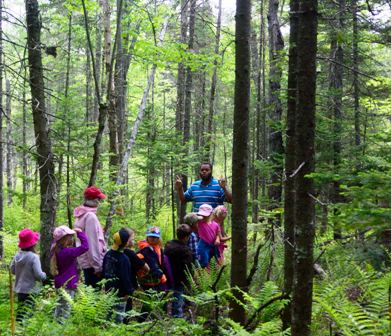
(290, 161)
(45, 158)
(240, 159)
(305, 158)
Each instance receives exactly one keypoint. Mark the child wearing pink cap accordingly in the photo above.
(27, 269)
(63, 264)
(209, 234)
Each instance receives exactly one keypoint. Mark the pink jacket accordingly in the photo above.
(88, 222)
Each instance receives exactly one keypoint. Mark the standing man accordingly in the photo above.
(206, 190)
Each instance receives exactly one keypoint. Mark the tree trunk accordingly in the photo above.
(305, 157)
(240, 160)
(97, 65)
(26, 184)
(336, 94)
(10, 155)
(188, 104)
(1, 135)
(67, 118)
(45, 158)
(290, 162)
(276, 45)
(213, 87)
(129, 149)
(356, 89)
(180, 103)
(111, 98)
(102, 107)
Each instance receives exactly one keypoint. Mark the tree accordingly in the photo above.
(240, 160)
(305, 159)
(290, 160)
(1, 133)
(45, 157)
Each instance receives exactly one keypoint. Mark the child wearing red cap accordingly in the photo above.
(87, 220)
(27, 269)
(63, 265)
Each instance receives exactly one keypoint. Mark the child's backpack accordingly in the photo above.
(156, 275)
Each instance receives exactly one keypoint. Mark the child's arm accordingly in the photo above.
(37, 270)
(83, 248)
(224, 239)
(218, 238)
(12, 266)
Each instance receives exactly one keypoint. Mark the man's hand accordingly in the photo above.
(178, 183)
(223, 183)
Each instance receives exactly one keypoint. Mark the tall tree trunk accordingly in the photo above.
(213, 86)
(26, 184)
(89, 116)
(188, 103)
(276, 45)
(240, 159)
(102, 110)
(305, 157)
(290, 161)
(356, 89)
(10, 155)
(336, 93)
(1, 134)
(45, 157)
(129, 149)
(98, 62)
(150, 211)
(67, 118)
(120, 87)
(180, 103)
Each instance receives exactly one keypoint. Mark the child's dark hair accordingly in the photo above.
(183, 231)
(28, 249)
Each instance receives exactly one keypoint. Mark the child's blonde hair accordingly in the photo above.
(219, 211)
(63, 242)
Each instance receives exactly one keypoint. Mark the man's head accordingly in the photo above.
(206, 169)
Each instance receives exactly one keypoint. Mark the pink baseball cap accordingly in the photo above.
(28, 238)
(205, 210)
(62, 231)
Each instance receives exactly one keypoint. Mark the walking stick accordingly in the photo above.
(11, 303)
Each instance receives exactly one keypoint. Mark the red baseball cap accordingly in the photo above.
(91, 193)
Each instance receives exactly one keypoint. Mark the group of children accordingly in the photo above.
(152, 267)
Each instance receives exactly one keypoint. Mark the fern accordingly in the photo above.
(357, 305)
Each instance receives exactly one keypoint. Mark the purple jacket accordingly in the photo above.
(67, 265)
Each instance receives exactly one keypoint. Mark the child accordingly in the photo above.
(181, 259)
(137, 265)
(210, 236)
(151, 252)
(116, 269)
(192, 220)
(63, 264)
(27, 269)
(219, 215)
(88, 222)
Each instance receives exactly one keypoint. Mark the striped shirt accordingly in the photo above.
(199, 194)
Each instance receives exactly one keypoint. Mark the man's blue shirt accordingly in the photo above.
(199, 194)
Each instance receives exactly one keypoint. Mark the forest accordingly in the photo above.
(287, 104)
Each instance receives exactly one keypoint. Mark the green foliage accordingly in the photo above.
(354, 306)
